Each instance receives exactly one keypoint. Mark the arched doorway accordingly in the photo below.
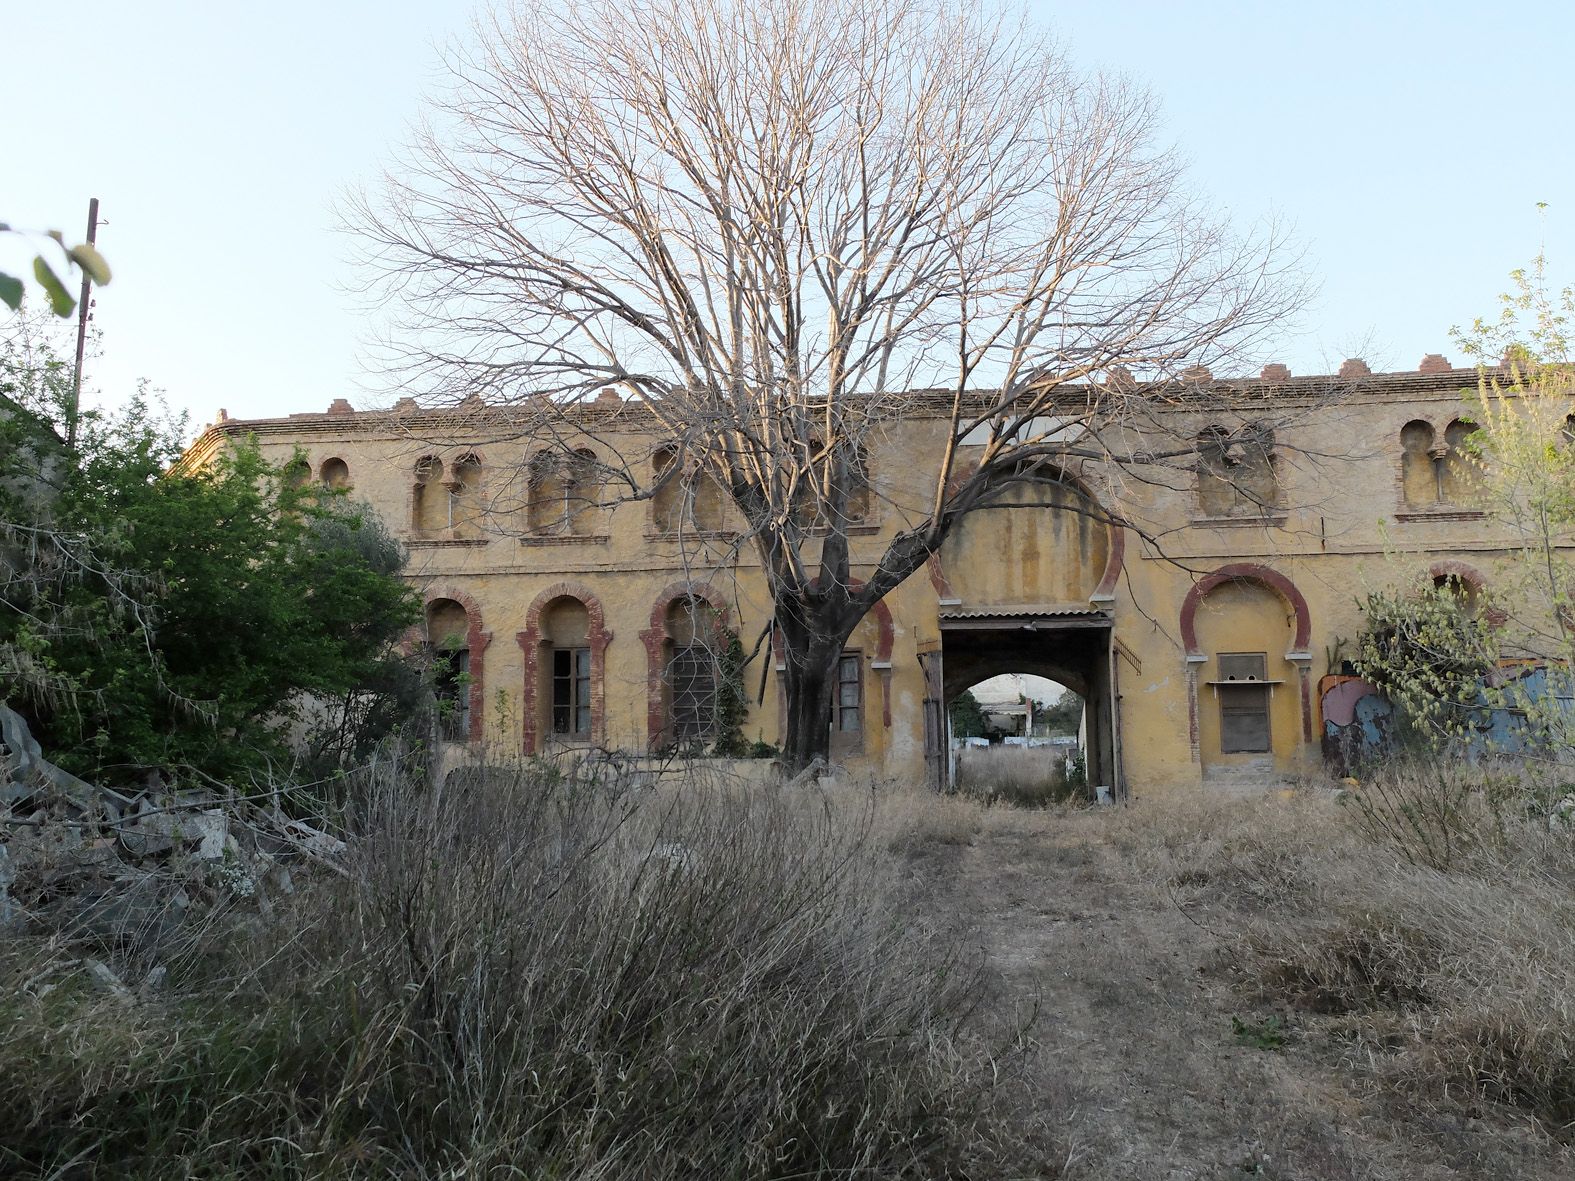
(1017, 737)
(1025, 586)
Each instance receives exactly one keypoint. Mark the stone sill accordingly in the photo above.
(1276, 521)
(1441, 515)
(542, 539)
(447, 542)
(691, 535)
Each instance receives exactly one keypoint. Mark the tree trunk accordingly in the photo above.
(808, 681)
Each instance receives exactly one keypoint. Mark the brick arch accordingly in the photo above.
(655, 638)
(1467, 573)
(476, 640)
(1271, 580)
(1263, 576)
(597, 637)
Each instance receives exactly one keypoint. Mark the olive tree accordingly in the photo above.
(778, 225)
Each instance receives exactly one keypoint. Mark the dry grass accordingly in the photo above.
(534, 976)
(1437, 920)
(1027, 777)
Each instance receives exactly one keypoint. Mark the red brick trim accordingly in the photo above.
(597, 636)
(476, 641)
(1245, 572)
(1115, 559)
(1270, 580)
(1464, 571)
(655, 640)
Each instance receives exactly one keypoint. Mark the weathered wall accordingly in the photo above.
(1284, 578)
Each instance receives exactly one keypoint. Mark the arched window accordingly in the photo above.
(562, 493)
(464, 497)
(692, 673)
(566, 669)
(1216, 492)
(687, 500)
(428, 498)
(856, 497)
(449, 653)
(1455, 470)
(1236, 471)
(297, 473)
(1418, 465)
(335, 473)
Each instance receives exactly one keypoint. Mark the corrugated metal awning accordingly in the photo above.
(1030, 615)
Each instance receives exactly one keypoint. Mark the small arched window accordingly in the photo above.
(428, 498)
(562, 494)
(687, 500)
(1216, 492)
(1456, 469)
(297, 473)
(1418, 464)
(464, 497)
(1236, 471)
(448, 651)
(335, 473)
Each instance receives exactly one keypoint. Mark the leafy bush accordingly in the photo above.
(153, 617)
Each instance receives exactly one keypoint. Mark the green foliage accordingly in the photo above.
(61, 301)
(1431, 653)
(158, 618)
(1268, 1034)
(968, 719)
(732, 704)
(1064, 716)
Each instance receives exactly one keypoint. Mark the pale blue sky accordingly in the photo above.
(1406, 142)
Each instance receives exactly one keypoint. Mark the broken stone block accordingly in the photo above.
(211, 828)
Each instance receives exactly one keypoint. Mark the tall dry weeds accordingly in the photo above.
(538, 976)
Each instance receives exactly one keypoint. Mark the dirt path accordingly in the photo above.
(1136, 1055)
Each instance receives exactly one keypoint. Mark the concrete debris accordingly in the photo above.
(123, 871)
(104, 976)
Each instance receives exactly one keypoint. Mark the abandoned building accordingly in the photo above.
(1197, 642)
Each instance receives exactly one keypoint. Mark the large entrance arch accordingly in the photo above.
(1072, 647)
(1026, 585)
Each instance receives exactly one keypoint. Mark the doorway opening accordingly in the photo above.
(1069, 649)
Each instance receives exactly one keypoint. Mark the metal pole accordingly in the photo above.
(74, 409)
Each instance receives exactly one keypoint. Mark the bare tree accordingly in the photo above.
(781, 224)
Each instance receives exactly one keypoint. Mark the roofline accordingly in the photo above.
(474, 416)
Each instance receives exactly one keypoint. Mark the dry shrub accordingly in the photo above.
(538, 976)
(1443, 938)
(1261, 852)
(914, 820)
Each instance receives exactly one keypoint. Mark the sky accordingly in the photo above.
(1406, 144)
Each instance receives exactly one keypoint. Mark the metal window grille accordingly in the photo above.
(692, 681)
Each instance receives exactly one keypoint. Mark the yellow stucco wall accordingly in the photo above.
(1342, 525)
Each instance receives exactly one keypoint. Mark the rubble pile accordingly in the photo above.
(124, 869)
